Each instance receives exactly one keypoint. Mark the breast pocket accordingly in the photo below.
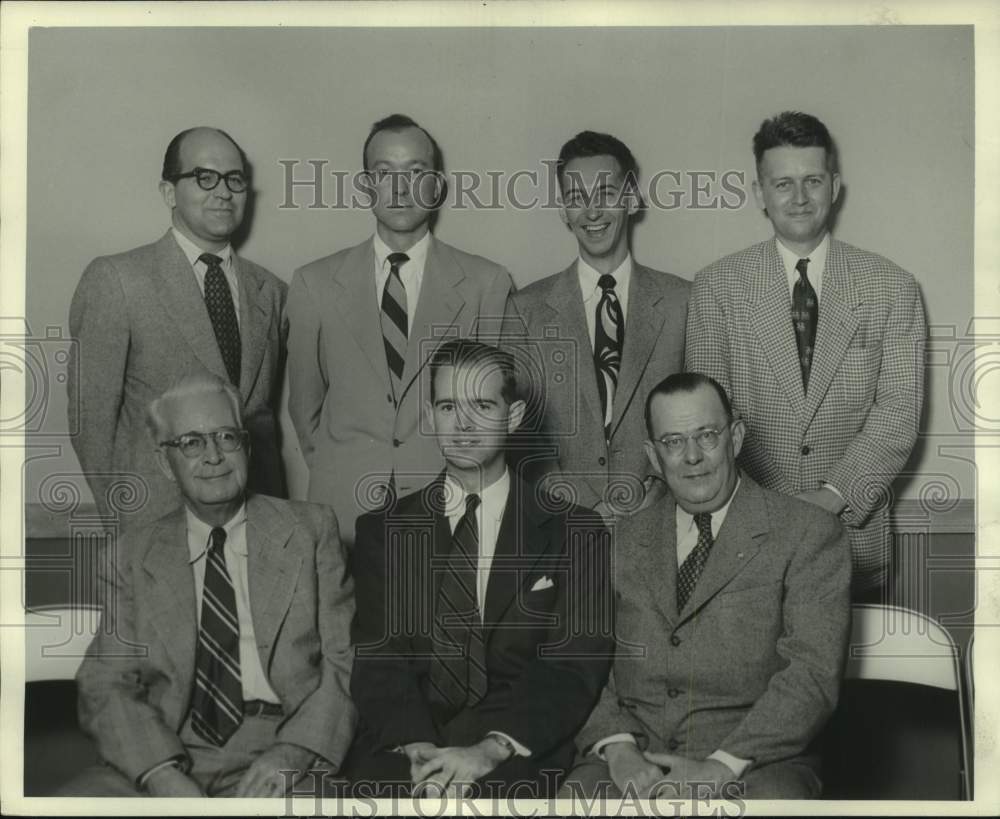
(857, 376)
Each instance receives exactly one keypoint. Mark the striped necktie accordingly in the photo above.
(805, 315)
(219, 301)
(395, 327)
(217, 703)
(458, 665)
(609, 337)
(691, 568)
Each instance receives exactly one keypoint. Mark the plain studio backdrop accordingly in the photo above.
(899, 101)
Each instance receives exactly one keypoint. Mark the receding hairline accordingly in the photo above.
(399, 130)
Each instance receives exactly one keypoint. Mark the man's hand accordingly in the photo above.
(629, 769)
(453, 770)
(418, 753)
(685, 774)
(173, 782)
(264, 777)
(825, 498)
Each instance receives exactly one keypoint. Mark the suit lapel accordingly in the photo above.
(642, 329)
(255, 321)
(172, 605)
(358, 305)
(838, 321)
(655, 538)
(178, 291)
(768, 291)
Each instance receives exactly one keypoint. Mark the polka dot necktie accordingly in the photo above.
(395, 329)
(219, 301)
(805, 315)
(691, 568)
(609, 336)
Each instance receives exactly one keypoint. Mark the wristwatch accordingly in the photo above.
(504, 743)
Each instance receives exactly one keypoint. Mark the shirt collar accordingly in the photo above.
(417, 253)
(589, 276)
(817, 259)
(192, 251)
(492, 497)
(685, 520)
(199, 532)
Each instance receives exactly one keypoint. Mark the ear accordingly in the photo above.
(650, 449)
(738, 431)
(168, 193)
(163, 462)
(758, 194)
(368, 188)
(562, 213)
(631, 201)
(429, 416)
(836, 186)
(515, 415)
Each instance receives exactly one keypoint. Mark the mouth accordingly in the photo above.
(596, 231)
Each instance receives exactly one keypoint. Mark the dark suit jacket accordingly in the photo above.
(135, 683)
(352, 435)
(139, 322)
(547, 650)
(547, 330)
(752, 664)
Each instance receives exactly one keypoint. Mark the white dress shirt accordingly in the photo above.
(591, 291)
(192, 252)
(817, 265)
(411, 272)
(255, 683)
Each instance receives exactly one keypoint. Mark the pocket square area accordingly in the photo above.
(542, 583)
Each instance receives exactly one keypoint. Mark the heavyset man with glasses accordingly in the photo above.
(186, 303)
(224, 655)
(732, 619)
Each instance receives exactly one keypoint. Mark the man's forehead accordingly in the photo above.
(681, 411)
(479, 380)
(789, 159)
(591, 172)
(207, 410)
(206, 146)
(409, 143)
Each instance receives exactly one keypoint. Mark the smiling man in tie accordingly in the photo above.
(819, 344)
(732, 621)
(222, 663)
(144, 318)
(484, 609)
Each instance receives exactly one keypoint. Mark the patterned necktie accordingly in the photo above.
(690, 570)
(219, 301)
(458, 665)
(609, 336)
(394, 322)
(805, 315)
(217, 703)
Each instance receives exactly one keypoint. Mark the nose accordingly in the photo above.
(800, 193)
(213, 454)
(463, 419)
(591, 211)
(692, 452)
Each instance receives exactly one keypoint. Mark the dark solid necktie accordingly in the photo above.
(217, 702)
(219, 301)
(395, 326)
(458, 665)
(691, 568)
(805, 315)
(609, 337)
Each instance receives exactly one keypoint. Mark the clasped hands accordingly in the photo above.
(451, 771)
(648, 774)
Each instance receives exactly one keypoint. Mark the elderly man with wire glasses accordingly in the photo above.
(186, 303)
(223, 661)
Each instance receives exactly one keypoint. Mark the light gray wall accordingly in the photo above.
(899, 101)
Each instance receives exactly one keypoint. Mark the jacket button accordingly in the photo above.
(673, 692)
(673, 744)
(396, 442)
(675, 640)
(806, 450)
(602, 460)
(388, 397)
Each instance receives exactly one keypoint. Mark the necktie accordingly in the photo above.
(609, 336)
(219, 301)
(458, 665)
(690, 570)
(217, 703)
(394, 322)
(805, 315)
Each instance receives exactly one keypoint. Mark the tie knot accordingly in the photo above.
(210, 260)
(703, 520)
(396, 261)
(802, 267)
(218, 538)
(606, 282)
(471, 504)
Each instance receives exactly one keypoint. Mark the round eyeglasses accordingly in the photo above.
(707, 439)
(208, 180)
(193, 444)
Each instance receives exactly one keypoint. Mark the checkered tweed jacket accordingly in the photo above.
(856, 426)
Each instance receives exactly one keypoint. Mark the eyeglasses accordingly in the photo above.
(208, 180)
(707, 439)
(192, 444)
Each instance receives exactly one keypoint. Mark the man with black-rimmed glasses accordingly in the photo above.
(186, 303)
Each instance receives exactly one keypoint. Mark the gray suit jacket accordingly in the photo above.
(547, 330)
(136, 681)
(752, 664)
(352, 435)
(139, 323)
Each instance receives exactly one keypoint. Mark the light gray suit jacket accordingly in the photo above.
(752, 664)
(353, 435)
(547, 330)
(139, 323)
(136, 681)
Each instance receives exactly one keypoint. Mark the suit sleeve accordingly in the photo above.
(801, 696)
(307, 376)
(324, 721)
(705, 349)
(610, 717)
(385, 683)
(878, 453)
(99, 326)
(489, 323)
(129, 733)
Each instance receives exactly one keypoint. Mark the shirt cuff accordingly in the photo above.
(734, 763)
(519, 749)
(836, 492)
(598, 747)
(175, 761)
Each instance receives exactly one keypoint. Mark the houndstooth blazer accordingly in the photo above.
(855, 427)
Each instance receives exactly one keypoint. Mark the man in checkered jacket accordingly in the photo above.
(819, 344)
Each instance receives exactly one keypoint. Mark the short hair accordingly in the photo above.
(685, 383)
(796, 129)
(172, 156)
(400, 122)
(198, 383)
(592, 143)
(464, 352)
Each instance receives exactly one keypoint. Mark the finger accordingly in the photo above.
(431, 766)
(664, 760)
(430, 788)
(246, 780)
